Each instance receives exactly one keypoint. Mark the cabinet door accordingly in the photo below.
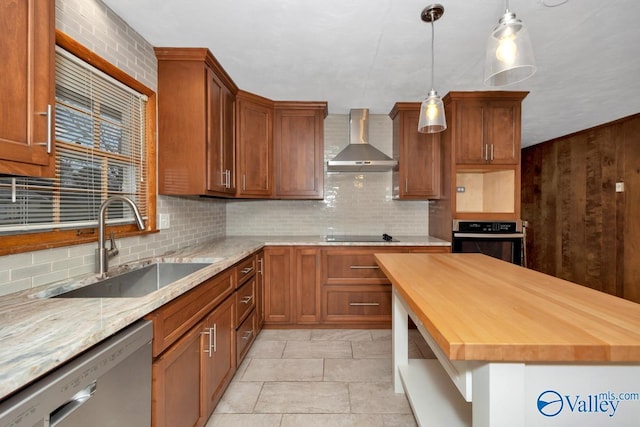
(299, 153)
(255, 147)
(469, 145)
(176, 383)
(502, 132)
(419, 161)
(218, 354)
(277, 285)
(27, 88)
(220, 136)
(488, 132)
(307, 280)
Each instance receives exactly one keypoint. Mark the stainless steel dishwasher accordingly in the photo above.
(109, 385)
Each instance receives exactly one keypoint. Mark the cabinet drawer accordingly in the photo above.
(245, 300)
(347, 304)
(353, 266)
(245, 335)
(246, 269)
(175, 318)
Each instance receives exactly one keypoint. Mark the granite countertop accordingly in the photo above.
(38, 333)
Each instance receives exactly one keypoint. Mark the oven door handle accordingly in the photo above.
(489, 235)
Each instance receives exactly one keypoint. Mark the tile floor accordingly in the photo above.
(327, 378)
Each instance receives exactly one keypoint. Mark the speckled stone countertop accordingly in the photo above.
(38, 333)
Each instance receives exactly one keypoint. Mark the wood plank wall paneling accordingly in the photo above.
(580, 228)
(631, 209)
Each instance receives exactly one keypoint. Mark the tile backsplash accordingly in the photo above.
(354, 203)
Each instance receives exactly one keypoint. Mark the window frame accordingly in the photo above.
(17, 243)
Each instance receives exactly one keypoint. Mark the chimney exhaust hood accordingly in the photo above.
(359, 155)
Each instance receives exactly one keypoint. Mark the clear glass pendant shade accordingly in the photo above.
(509, 57)
(432, 118)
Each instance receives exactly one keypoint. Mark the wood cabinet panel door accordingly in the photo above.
(220, 136)
(27, 88)
(419, 161)
(469, 143)
(218, 354)
(502, 132)
(255, 148)
(176, 383)
(308, 285)
(299, 154)
(277, 285)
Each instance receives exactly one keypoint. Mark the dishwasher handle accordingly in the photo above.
(67, 408)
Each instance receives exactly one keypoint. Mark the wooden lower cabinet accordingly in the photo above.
(277, 285)
(329, 286)
(176, 383)
(307, 286)
(190, 377)
(199, 340)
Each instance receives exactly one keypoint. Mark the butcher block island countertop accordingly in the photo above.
(479, 308)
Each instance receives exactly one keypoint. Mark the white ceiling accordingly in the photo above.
(372, 53)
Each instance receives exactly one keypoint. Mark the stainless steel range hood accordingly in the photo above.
(359, 155)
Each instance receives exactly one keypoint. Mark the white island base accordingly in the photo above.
(469, 393)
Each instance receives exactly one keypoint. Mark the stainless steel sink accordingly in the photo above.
(136, 283)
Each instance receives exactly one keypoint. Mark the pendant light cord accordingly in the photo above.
(432, 49)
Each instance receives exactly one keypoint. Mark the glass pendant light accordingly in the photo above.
(509, 57)
(432, 119)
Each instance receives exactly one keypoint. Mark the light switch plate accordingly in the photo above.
(619, 187)
(163, 221)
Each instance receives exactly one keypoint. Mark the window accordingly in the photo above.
(101, 150)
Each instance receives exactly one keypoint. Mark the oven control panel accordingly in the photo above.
(486, 227)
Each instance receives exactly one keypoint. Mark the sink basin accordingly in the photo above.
(136, 283)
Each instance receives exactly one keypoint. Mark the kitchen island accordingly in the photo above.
(514, 347)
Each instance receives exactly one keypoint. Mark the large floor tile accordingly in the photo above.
(399, 420)
(357, 370)
(332, 420)
(284, 335)
(377, 398)
(381, 334)
(341, 335)
(317, 349)
(379, 349)
(284, 370)
(244, 420)
(303, 397)
(265, 349)
(239, 398)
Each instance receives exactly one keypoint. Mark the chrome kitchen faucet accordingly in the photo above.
(102, 253)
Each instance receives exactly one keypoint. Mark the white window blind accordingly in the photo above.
(100, 151)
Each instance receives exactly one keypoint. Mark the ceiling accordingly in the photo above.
(373, 53)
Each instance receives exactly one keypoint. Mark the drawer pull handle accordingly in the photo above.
(247, 335)
(365, 304)
(246, 270)
(246, 299)
(364, 267)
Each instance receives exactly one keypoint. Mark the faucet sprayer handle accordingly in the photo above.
(113, 250)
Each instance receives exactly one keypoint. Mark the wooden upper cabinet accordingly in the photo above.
(486, 127)
(196, 124)
(27, 88)
(254, 144)
(299, 149)
(417, 176)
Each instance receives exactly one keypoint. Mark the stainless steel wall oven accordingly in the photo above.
(500, 239)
